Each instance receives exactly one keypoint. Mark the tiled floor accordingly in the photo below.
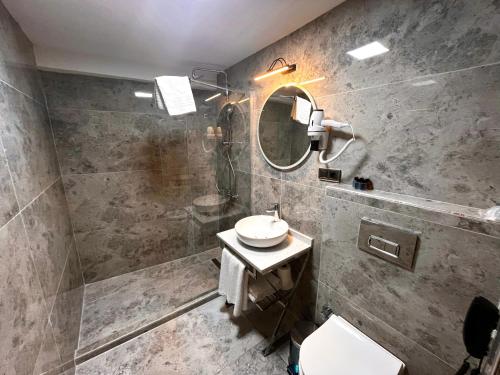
(206, 340)
(117, 306)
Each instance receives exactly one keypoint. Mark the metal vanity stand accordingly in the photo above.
(266, 260)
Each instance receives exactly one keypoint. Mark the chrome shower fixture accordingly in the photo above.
(195, 77)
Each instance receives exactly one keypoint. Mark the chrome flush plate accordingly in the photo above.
(387, 241)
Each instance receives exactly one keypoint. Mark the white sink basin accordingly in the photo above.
(261, 231)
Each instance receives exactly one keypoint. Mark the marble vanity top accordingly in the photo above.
(264, 260)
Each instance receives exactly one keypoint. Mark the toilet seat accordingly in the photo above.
(338, 348)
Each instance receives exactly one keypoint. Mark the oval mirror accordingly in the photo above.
(282, 132)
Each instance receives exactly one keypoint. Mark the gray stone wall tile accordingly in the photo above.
(425, 115)
(17, 61)
(302, 208)
(432, 130)
(423, 37)
(114, 251)
(265, 193)
(104, 200)
(27, 139)
(437, 141)
(51, 237)
(23, 309)
(427, 304)
(66, 313)
(36, 242)
(8, 201)
(78, 91)
(96, 141)
(48, 360)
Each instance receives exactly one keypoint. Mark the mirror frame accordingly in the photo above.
(308, 152)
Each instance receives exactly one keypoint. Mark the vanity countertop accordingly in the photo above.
(268, 259)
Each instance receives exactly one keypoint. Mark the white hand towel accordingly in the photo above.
(175, 94)
(302, 110)
(261, 288)
(160, 104)
(233, 281)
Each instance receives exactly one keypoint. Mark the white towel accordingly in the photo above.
(175, 94)
(233, 281)
(158, 99)
(301, 110)
(260, 288)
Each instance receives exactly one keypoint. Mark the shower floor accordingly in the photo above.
(207, 340)
(124, 306)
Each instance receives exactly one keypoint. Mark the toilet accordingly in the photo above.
(338, 348)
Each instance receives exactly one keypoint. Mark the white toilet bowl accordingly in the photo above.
(338, 348)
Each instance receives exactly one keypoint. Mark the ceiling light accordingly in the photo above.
(367, 51)
(285, 68)
(424, 83)
(311, 81)
(142, 94)
(244, 100)
(213, 97)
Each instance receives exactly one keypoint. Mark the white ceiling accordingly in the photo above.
(143, 38)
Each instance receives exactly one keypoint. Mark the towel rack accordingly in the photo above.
(195, 78)
(252, 272)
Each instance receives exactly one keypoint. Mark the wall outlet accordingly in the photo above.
(330, 175)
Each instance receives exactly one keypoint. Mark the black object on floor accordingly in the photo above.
(300, 331)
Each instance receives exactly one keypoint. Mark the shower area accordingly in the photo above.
(147, 193)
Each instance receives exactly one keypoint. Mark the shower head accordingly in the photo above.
(229, 112)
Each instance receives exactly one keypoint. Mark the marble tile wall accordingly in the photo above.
(130, 172)
(425, 113)
(426, 119)
(428, 304)
(41, 286)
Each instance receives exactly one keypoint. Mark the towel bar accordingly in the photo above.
(252, 272)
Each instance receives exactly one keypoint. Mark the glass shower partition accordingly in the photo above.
(203, 192)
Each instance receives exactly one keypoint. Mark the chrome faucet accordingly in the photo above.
(276, 211)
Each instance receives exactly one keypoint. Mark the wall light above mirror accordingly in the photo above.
(271, 71)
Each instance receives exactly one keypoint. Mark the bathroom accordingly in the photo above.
(148, 147)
